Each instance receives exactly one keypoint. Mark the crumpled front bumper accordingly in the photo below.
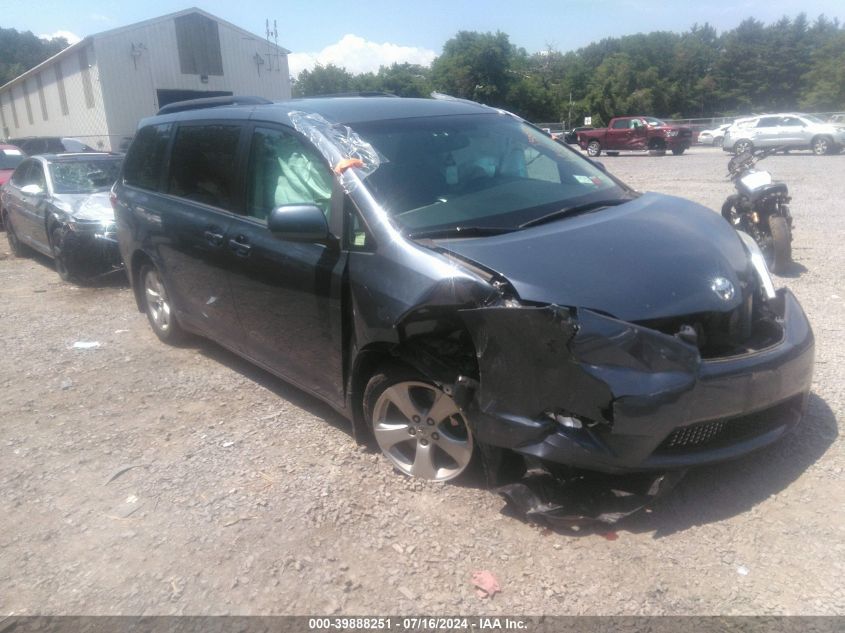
(645, 400)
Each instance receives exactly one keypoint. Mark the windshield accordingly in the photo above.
(812, 119)
(84, 176)
(480, 171)
(10, 158)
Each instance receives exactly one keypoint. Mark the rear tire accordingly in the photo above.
(593, 149)
(781, 255)
(821, 145)
(15, 245)
(612, 153)
(158, 306)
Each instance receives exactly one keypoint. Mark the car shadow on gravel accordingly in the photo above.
(793, 270)
(271, 382)
(714, 493)
(112, 279)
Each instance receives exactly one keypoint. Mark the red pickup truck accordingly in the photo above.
(636, 133)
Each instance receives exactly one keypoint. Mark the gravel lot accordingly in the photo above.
(247, 496)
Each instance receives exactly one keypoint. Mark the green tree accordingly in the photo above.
(20, 51)
(476, 66)
(323, 80)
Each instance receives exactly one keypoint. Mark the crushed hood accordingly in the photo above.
(91, 207)
(653, 257)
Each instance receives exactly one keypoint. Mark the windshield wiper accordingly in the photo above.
(578, 208)
(461, 231)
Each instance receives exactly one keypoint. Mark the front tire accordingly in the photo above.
(593, 149)
(743, 146)
(781, 252)
(677, 151)
(60, 256)
(158, 307)
(418, 427)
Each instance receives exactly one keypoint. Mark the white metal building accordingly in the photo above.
(99, 88)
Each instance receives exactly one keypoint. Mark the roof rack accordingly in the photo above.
(210, 102)
(362, 93)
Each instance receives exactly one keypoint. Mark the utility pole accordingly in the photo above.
(569, 116)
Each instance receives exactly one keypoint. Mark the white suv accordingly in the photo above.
(791, 131)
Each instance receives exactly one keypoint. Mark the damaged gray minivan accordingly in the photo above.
(460, 285)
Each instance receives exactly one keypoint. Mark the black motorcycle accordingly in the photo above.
(760, 207)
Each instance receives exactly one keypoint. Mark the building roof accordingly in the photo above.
(130, 27)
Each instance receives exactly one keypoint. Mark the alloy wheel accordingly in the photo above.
(420, 429)
(158, 304)
(821, 146)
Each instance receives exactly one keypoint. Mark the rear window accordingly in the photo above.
(146, 156)
(203, 164)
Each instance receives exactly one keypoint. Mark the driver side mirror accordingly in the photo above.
(32, 190)
(299, 223)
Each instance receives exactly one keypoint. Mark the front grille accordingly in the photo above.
(694, 435)
(714, 433)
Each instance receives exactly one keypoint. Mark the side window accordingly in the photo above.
(19, 178)
(143, 163)
(768, 121)
(621, 124)
(284, 170)
(203, 164)
(36, 176)
(358, 238)
(790, 121)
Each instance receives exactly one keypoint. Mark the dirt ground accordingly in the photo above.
(245, 496)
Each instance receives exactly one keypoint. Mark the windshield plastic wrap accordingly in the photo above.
(351, 157)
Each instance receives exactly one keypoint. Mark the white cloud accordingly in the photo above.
(358, 55)
(72, 38)
(99, 17)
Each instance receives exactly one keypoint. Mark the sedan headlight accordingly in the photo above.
(759, 263)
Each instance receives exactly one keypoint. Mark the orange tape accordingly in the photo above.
(346, 163)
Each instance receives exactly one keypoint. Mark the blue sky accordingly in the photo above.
(399, 30)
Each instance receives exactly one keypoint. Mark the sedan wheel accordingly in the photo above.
(18, 249)
(821, 146)
(418, 427)
(158, 307)
(60, 256)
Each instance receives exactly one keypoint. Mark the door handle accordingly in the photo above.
(240, 246)
(213, 238)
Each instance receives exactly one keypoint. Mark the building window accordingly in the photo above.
(85, 69)
(27, 103)
(3, 118)
(41, 96)
(198, 40)
(14, 109)
(60, 84)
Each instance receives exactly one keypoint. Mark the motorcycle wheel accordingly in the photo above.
(781, 249)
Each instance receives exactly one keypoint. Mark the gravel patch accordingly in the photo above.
(138, 478)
